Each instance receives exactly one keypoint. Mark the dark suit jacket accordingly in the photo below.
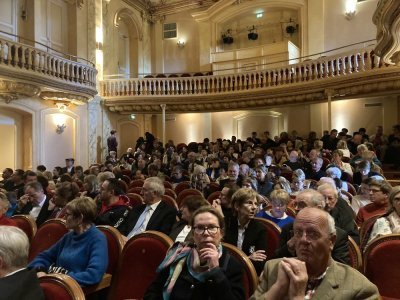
(177, 228)
(161, 220)
(223, 283)
(340, 250)
(64, 170)
(23, 285)
(44, 213)
(254, 239)
(344, 219)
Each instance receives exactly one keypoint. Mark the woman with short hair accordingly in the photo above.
(81, 253)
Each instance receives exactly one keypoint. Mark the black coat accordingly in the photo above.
(161, 220)
(344, 219)
(23, 285)
(254, 239)
(223, 283)
(340, 250)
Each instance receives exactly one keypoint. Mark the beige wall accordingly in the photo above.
(8, 140)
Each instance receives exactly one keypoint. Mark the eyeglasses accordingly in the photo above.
(200, 230)
(311, 235)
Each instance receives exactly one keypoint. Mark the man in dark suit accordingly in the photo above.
(69, 166)
(16, 282)
(155, 214)
(312, 198)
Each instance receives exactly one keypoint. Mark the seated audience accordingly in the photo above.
(342, 147)
(202, 269)
(293, 162)
(16, 282)
(313, 273)
(81, 253)
(4, 205)
(281, 183)
(113, 207)
(34, 202)
(298, 181)
(214, 170)
(364, 171)
(337, 161)
(311, 198)
(379, 191)
(340, 210)
(233, 175)
(91, 186)
(243, 231)
(264, 186)
(182, 231)
(362, 198)
(279, 200)
(335, 173)
(390, 222)
(154, 214)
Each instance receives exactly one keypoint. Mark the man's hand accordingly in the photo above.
(217, 205)
(23, 201)
(211, 255)
(258, 255)
(52, 204)
(297, 272)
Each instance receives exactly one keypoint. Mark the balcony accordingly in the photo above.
(351, 74)
(29, 71)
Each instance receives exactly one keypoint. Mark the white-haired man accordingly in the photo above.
(313, 273)
(16, 282)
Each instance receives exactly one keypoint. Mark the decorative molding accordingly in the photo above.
(78, 3)
(63, 96)
(387, 20)
(12, 90)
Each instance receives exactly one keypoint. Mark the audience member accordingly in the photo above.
(4, 205)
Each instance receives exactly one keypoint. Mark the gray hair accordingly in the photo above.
(14, 247)
(315, 197)
(4, 200)
(36, 186)
(103, 176)
(299, 174)
(156, 185)
(331, 223)
(327, 186)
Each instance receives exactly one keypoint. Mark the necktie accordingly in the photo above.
(141, 222)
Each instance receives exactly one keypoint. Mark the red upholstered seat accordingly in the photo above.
(127, 179)
(382, 265)
(137, 265)
(136, 183)
(135, 190)
(182, 195)
(250, 279)
(170, 201)
(49, 233)
(352, 189)
(355, 255)
(213, 196)
(27, 224)
(168, 185)
(134, 199)
(184, 185)
(214, 187)
(290, 211)
(60, 287)
(170, 192)
(115, 244)
(273, 236)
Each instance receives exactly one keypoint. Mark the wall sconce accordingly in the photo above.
(350, 10)
(60, 128)
(181, 44)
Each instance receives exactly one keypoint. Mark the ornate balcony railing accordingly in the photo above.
(24, 62)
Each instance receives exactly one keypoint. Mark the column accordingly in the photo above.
(163, 106)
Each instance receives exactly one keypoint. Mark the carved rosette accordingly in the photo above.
(12, 90)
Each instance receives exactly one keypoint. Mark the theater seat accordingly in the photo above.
(182, 186)
(182, 195)
(60, 287)
(355, 255)
(250, 280)
(141, 256)
(273, 236)
(213, 196)
(49, 233)
(27, 224)
(382, 265)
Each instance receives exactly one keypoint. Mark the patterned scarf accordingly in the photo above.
(177, 256)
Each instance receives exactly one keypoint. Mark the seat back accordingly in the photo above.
(365, 231)
(168, 185)
(250, 279)
(137, 266)
(49, 233)
(170, 192)
(382, 264)
(184, 185)
(273, 236)
(27, 224)
(290, 211)
(135, 190)
(134, 199)
(170, 201)
(355, 255)
(115, 244)
(60, 287)
(213, 196)
(136, 183)
(186, 193)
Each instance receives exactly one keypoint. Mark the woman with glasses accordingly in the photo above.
(81, 253)
(201, 269)
(279, 201)
(243, 231)
(390, 222)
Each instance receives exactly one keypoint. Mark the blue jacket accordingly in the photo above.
(84, 256)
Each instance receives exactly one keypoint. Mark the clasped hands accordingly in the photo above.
(292, 278)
